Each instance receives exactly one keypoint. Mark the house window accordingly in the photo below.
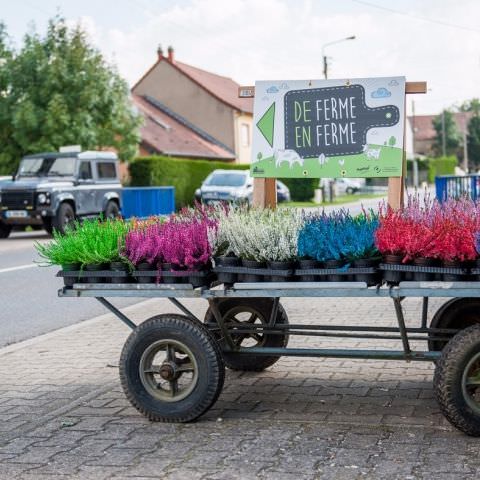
(245, 134)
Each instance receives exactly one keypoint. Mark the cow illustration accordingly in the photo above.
(289, 156)
(373, 153)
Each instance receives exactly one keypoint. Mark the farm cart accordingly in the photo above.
(172, 366)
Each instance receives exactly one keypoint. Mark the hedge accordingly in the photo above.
(441, 166)
(186, 175)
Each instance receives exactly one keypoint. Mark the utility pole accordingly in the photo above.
(415, 161)
(324, 56)
(465, 149)
(444, 140)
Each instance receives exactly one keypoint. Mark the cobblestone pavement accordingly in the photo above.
(63, 414)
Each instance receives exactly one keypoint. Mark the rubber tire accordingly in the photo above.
(447, 381)
(112, 210)
(5, 230)
(251, 363)
(457, 313)
(211, 373)
(64, 211)
(349, 191)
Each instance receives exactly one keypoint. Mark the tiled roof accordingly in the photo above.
(169, 136)
(224, 88)
(424, 124)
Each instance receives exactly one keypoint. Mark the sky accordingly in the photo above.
(247, 40)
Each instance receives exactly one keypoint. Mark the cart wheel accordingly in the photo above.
(458, 313)
(457, 381)
(171, 368)
(249, 311)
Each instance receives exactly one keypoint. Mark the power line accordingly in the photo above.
(418, 17)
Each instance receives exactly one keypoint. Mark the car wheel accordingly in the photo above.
(5, 230)
(112, 210)
(65, 217)
(350, 191)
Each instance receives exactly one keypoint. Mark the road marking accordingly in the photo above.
(20, 267)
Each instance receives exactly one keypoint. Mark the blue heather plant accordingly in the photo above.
(338, 236)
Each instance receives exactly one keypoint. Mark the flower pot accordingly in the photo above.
(197, 281)
(71, 267)
(228, 261)
(178, 278)
(286, 265)
(145, 267)
(477, 265)
(369, 278)
(332, 277)
(422, 276)
(454, 277)
(118, 267)
(252, 277)
(94, 267)
(390, 276)
(306, 264)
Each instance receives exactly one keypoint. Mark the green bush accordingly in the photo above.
(186, 175)
(441, 166)
(301, 189)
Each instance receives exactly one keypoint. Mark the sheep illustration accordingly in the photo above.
(322, 160)
(289, 156)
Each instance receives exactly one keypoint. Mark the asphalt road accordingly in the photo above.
(29, 305)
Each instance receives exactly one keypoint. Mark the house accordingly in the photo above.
(192, 113)
(424, 134)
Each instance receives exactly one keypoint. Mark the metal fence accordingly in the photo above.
(141, 202)
(450, 186)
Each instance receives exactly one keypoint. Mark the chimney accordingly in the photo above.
(160, 52)
(170, 54)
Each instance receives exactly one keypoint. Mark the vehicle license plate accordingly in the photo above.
(16, 214)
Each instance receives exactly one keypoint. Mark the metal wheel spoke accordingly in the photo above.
(153, 369)
(170, 353)
(475, 380)
(257, 337)
(174, 387)
(252, 318)
(186, 367)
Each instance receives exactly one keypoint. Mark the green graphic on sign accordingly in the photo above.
(266, 124)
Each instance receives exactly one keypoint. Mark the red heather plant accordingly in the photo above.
(456, 229)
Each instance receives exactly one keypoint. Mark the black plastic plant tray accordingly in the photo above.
(254, 271)
(92, 273)
(475, 271)
(169, 274)
(422, 269)
(336, 271)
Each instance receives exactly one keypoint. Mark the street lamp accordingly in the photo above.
(325, 62)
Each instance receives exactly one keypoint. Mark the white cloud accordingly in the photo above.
(275, 39)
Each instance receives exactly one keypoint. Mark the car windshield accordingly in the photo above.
(226, 180)
(51, 166)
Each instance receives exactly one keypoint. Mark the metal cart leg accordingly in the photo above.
(401, 325)
(223, 328)
(184, 309)
(424, 312)
(117, 313)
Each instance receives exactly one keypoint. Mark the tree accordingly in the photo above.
(61, 91)
(473, 141)
(472, 105)
(452, 138)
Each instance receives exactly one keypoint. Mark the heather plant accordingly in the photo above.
(89, 242)
(338, 236)
(262, 234)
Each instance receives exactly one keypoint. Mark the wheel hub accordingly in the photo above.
(168, 371)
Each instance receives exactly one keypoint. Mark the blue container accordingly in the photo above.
(142, 202)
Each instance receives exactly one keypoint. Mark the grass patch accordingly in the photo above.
(337, 201)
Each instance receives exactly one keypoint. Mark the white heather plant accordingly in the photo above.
(262, 235)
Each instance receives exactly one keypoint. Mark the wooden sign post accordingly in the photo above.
(264, 189)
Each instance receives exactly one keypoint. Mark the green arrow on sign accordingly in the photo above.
(266, 124)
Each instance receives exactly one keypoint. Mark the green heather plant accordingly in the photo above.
(89, 242)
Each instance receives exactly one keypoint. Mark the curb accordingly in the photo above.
(70, 328)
